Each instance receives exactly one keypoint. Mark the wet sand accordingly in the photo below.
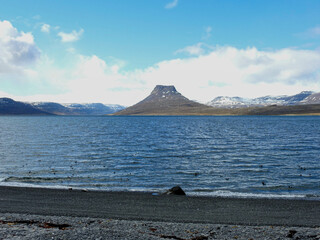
(156, 212)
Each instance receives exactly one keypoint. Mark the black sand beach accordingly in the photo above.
(19, 204)
(145, 206)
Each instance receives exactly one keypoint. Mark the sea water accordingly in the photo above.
(241, 156)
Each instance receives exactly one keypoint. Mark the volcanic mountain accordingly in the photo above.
(166, 100)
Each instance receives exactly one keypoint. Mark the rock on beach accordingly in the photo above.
(177, 190)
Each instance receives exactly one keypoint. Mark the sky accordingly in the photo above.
(117, 51)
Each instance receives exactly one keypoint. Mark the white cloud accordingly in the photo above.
(195, 50)
(243, 72)
(207, 34)
(222, 71)
(17, 50)
(45, 28)
(36, 17)
(71, 50)
(314, 32)
(93, 77)
(70, 37)
(311, 33)
(172, 4)
(205, 73)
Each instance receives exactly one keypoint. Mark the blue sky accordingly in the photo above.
(116, 51)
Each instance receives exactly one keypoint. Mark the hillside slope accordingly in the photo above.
(165, 100)
(10, 107)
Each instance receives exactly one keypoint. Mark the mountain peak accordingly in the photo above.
(164, 88)
(285, 100)
(164, 100)
(163, 93)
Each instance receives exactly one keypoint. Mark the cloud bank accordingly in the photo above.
(204, 73)
(18, 51)
(244, 72)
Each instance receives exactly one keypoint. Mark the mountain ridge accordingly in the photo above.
(78, 108)
(9, 106)
(165, 100)
(283, 100)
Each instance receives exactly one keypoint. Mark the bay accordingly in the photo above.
(242, 156)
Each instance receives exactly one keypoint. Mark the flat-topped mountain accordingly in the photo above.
(162, 94)
(77, 108)
(165, 100)
(93, 108)
(51, 107)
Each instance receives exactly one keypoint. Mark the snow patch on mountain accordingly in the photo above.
(238, 102)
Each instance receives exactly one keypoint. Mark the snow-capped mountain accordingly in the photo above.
(232, 102)
(238, 102)
(312, 99)
(77, 109)
(115, 107)
(93, 108)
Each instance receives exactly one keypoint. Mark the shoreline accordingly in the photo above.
(164, 208)
(156, 192)
(42, 213)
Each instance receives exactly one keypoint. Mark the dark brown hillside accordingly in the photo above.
(166, 100)
(310, 109)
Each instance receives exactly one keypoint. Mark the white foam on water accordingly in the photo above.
(20, 184)
(229, 194)
(2, 179)
(155, 191)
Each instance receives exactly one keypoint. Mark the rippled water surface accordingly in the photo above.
(233, 156)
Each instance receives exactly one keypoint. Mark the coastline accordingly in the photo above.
(165, 208)
(42, 213)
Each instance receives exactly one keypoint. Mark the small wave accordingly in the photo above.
(228, 194)
(33, 179)
(3, 179)
(30, 185)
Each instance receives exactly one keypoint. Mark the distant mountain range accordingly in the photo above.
(77, 109)
(166, 100)
(10, 107)
(306, 97)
